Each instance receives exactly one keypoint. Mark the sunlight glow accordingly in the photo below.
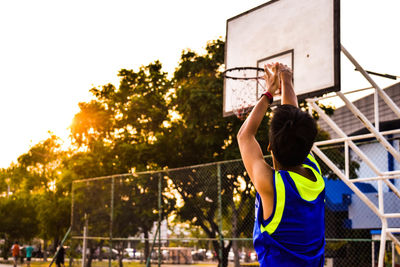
(52, 185)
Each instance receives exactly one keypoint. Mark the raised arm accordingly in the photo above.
(288, 95)
(259, 171)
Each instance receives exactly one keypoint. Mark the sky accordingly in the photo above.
(52, 52)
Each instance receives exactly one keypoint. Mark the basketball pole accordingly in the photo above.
(382, 177)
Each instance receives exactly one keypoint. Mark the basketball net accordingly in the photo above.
(247, 84)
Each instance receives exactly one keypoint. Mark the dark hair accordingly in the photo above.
(291, 135)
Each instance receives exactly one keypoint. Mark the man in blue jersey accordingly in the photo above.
(289, 228)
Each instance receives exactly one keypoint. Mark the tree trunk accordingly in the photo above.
(91, 254)
(146, 246)
(6, 247)
(235, 249)
(101, 250)
(121, 254)
(44, 250)
(235, 235)
(225, 253)
(55, 245)
(72, 252)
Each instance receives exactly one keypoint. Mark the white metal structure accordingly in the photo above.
(381, 177)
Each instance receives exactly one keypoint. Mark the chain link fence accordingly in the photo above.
(205, 214)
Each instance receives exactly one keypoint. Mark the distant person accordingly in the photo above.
(60, 256)
(15, 249)
(29, 250)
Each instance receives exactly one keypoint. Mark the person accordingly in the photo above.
(60, 256)
(29, 250)
(289, 227)
(15, 249)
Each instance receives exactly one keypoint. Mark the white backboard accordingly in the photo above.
(304, 35)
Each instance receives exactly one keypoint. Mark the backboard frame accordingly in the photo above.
(336, 55)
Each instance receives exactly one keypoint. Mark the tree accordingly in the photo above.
(18, 220)
(39, 173)
(118, 131)
(202, 135)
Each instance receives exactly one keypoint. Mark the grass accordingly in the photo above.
(103, 263)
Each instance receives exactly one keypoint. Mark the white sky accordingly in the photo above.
(52, 52)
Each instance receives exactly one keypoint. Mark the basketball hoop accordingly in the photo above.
(246, 83)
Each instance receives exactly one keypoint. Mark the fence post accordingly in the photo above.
(72, 204)
(159, 217)
(85, 233)
(221, 238)
(111, 220)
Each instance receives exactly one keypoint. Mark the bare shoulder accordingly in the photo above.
(264, 184)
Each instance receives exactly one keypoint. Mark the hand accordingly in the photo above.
(285, 73)
(272, 78)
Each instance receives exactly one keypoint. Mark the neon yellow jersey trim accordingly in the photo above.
(308, 190)
(279, 206)
(312, 159)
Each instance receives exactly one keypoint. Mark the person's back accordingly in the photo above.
(289, 225)
(15, 250)
(29, 250)
(294, 233)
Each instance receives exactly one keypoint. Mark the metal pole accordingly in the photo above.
(381, 258)
(358, 137)
(61, 244)
(373, 253)
(111, 221)
(72, 204)
(382, 93)
(369, 126)
(339, 131)
(393, 254)
(159, 217)
(221, 241)
(394, 239)
(394, 189)
(346, 159)
(152, 247)
(85, 233)
(339, 173)
(376, 109)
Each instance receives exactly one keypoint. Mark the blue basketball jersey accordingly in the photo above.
(294, 234)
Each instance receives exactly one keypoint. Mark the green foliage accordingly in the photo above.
(201, 134)
(93, 123)
(39, 204)
(118, 131)
(53, 213)
(18, 218)
(38, 167)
